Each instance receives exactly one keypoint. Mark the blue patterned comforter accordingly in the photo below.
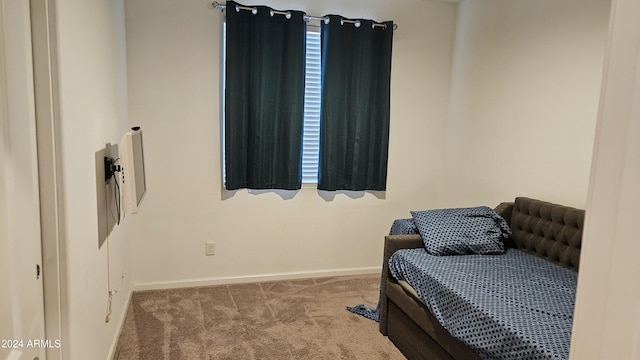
(511, 306)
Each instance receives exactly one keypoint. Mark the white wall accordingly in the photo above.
(607, 316)
(524, 100)
(92, 93)
(173, 50)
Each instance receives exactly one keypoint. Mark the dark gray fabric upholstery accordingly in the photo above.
(552, 232)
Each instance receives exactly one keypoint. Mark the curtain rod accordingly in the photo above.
(217, 5)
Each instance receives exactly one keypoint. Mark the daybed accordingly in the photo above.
(545, 230)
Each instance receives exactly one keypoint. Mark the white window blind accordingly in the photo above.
(312, 93)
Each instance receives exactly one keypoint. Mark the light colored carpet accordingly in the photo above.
(296, 319)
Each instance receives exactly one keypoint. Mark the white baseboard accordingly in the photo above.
(123, 316)
(161, 285)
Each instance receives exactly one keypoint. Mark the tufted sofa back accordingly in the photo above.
(552, 232)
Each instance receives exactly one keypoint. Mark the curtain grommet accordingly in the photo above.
(237, 8)
(326, 21)
(271, 12)
(358, 23)
(254, 11)
(288, 16)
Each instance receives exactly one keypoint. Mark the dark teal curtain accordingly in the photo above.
(354, 125)
(264, 98)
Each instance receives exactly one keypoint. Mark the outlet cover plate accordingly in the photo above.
(209, 248)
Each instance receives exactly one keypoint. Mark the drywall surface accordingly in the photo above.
(607, 317)
(174, 58)
(92, 92)
(524, 100)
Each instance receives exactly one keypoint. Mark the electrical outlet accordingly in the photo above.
(209, 248)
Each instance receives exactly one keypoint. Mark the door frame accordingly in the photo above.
(20, 184)
(43, 36)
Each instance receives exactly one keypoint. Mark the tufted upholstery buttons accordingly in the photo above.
(550, 231)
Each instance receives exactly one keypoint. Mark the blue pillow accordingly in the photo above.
(462, 231)
(403, 227)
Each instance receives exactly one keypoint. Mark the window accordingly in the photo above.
(278, 94)
(311, 128)
(311, 136)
